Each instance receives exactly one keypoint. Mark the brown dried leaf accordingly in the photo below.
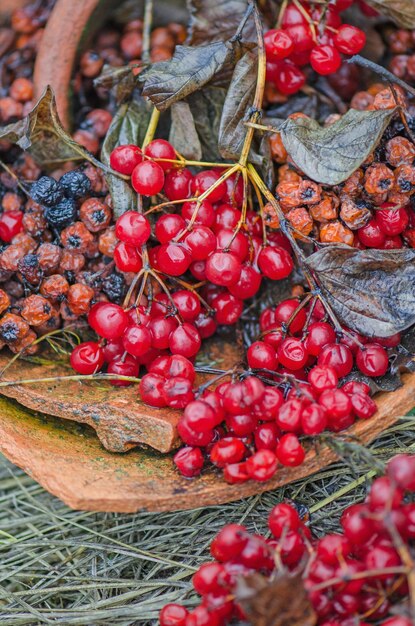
(401, 11)
(183, 134)
(279, 602)
(217, 20)
(206, 106)
(371, 291)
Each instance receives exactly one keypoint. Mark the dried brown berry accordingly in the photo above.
(335, 232)
(13, 328)
(95, 215)
(378, 179)
(49, 256)
(4, 301)
(54, 287)
(71, 261)
(79, 298)
(106, 242)
(354, 215)
(36, 310)
(76, 237)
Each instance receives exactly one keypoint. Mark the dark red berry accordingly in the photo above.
(147, 178)
(108, 320)
(87, 358)
(124, 159)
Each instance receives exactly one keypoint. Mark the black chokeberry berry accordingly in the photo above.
(62, 214)
(76, 184)
(47, 191)
(114, 287)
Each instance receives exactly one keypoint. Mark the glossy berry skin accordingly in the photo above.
(201, 214)
(363, 405)
(137, 340)
(177, 184)
(87, 358)
(168, 226)
(349, 39)
(262, 465)
(147, 178)
(372, 360)
(371, 235)
(337, 356)
(209, 578)
(322, 378)
(283, 518)
(290, 452)
(189, 461)
(292, 354)
(200, 416)
(313, 419)
(133, 228)
(185, 340)
(125, 158)
(173, 615)
(227, 450)
(325, 59)
(201, 242)
(127, 258)
(286, 310)
(261, 355)
(108, 320)
(275, 263)
(173, 259)
(161, 149)
(151, 390)
(319, 335)
(229, 542)
(124, 367)
(248, 283)
(289, 78)
(203, 181)
(223, 268)
(278, 44)
(178, 393)
(392, 222)
(187, 303)
(401, 469)
(10, 225)
(336, 403)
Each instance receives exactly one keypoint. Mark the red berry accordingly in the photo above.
(292, 15)
(266, 436)
(248, 283)
(133, 228)
(177, 184)
(124, 159)
(203, 212)
(401, 469)
(206, 325)
(290, 78)
(372, 360)
(384, 494)
(285, 310)
(357, 527)
(173, 259)
(333, 548)
(325, 59)
(336, 403)
(209, 578)
(278, 44)
(187, 303)
(87, 358)
(261, 355)
(242, 424)
(160, 328)
(168, 226)
(201, 242)
(337, 356)
(201, 616)
(319, 335)
(226, 216)
(161, 149)
(127, 258)
(290, 452)
(11, 224)
(392, 222)
(227, 450)
(229, 542)
(127, 366)
(301, 36)
(203, 181)
(151, 389)
(275, 263)
(147, 178)
(189, 461)
(363, 405)
(192, 437)
(113, 349)
(313, 419)
(283, 518)
(137, 340)
(223, 268)
(262, 465)
(185, 340)
(108, 320)
(355, 386)
(349, 39)
(292, 354)
(322, 378)
(178, 392)
(173, 615)
(371, 235)
(237, 243)
(200, 416)
(178, 365)
(267, 406)
(235, 473)
(289, 415)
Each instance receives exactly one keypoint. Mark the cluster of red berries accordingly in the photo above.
(309, 35)
(351, 578)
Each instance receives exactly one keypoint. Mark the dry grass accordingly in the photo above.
(63, 567)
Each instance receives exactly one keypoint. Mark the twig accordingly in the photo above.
(147, 22)
(381, 71)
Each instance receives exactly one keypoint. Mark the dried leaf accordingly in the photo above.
(189, 69)
(128, 125)
(119, 80)
(371, 291)
(42, 134)
(217, 20)
(401, 11)
(183, 134)
(236, 108)
(279, 602)
(206, 106)
(331, 154)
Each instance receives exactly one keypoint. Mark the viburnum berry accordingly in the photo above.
(127, 258)
(189, 461)
(177, 184)
(372, 360)
(288, 309)
(292, 353)
(325, 59)
(322, 378)
(336, 403)
(178, 392)
(401, 469)
(201, 214)
(227, 450)
(313, 419)
(289, 450)
(137, 340)
(371, 235)
(173, 615)
(363, 405)
(87, 358)
(275, 263)
(185, 340)
(160, 149)
(278, 44)
(151, 389)
(200, 416)
(261, 355)
(349, 39)
(108, 320)
(248, 283)
(125, 366)
(319, 334)
(206, 179)
(337, 356)
(147, 178)
(11, 224)
(125, 158)
(223, 268)
(267, 406)
(173, 259)
(262, 465)
(229, 542)
(201, 242)
(392, 221)
(133, 228)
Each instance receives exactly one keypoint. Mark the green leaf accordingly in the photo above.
(42, 134)
(189, 70)
(401, 11)
(331, 154)
(128, 125)
(371, 291)
(183, 134)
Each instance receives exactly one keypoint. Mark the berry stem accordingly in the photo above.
(152, 127)
(381, 71)
(53, 379)
(147, 23)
